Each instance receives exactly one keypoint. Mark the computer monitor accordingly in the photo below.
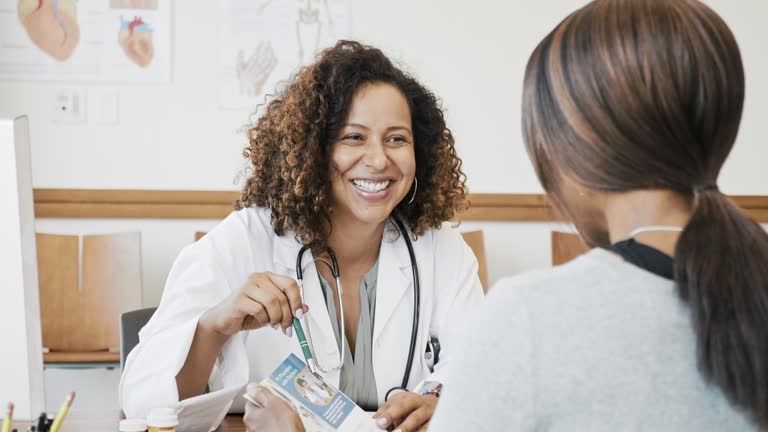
(21, 358)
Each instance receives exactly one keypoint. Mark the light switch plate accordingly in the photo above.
(69, 106)
(103, 106)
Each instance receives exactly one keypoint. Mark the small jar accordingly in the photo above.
(162, 420)
(133, 425)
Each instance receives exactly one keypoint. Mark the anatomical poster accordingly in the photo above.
(86, 40)
(264, 42)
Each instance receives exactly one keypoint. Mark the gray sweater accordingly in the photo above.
(594, 345)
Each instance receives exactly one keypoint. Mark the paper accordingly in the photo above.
(205, 412)
(263, 42)
(322, 407)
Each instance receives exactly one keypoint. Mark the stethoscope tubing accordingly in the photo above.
(336, 275)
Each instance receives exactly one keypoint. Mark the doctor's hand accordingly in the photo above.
(264, 299)
(274, 414)
(406, 412)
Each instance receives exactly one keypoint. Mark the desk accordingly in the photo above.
(107, 423)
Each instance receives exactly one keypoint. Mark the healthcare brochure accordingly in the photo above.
(322, 408)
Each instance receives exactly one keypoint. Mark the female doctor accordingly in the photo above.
(353, 160)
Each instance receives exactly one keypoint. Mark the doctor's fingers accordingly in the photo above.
(257, 419)
(255, 315)
(289, 286)
(274, 415)
(286, 320)
(271, 299)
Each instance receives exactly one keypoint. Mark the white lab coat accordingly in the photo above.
(217, 265)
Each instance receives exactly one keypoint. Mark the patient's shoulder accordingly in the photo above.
(586, 272)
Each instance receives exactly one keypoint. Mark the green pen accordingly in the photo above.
(304, 345)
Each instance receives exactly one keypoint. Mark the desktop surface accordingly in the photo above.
(76, 422)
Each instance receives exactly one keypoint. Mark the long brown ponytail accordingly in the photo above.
(647, 94)
(721, 266)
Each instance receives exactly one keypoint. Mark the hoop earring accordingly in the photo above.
(415, 188)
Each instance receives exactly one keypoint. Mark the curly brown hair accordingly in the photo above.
(289, 145)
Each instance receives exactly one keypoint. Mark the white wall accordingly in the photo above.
(471, 54)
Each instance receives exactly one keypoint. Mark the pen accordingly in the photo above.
(304, 345)
(62, 413)
(8, 418)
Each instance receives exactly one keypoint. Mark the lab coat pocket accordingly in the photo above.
(429, 356)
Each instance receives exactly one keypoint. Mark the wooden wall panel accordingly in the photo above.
(165, 204)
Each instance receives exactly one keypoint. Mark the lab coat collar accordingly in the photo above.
(391, 285)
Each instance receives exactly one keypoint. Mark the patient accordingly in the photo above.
(630, 109)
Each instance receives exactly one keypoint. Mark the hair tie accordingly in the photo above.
(706, 186)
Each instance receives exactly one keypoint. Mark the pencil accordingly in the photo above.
(8, 418)
(62, 413)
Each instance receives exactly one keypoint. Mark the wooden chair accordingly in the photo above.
(476, 242)
(80, 309)
(566, 246)
(199, 235)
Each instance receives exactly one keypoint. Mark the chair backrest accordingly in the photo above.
(566, 246)
(199, 235)
(476, 242)
(130, 325)
(80, 308)
(61, 307)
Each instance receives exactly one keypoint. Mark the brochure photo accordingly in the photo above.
(322, 407)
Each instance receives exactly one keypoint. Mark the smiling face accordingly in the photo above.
(372, 160)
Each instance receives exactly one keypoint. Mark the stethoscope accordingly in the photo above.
(334, 265)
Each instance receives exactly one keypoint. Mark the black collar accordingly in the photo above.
(646, 257)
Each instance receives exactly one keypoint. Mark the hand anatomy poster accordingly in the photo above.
(264, 42)
(86, 40)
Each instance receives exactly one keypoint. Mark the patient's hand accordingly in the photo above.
(274, 414)
(406, 412)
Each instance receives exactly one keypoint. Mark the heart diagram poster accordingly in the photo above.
(86, 40)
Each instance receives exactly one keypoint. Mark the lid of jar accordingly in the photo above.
(162, 417)
(133, 425)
